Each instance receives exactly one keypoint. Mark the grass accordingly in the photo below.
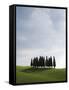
(27, 74)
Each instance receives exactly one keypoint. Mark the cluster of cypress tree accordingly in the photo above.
(42, 62)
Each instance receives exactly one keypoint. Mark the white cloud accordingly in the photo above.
(43, 33)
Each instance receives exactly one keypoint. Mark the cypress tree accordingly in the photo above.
(47, 61)
(54, 62)
(36, 62)
(50, 61)
(31, 63)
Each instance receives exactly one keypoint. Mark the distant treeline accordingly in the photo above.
(42, 62)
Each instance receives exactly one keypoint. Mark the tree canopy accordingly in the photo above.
(42, 62)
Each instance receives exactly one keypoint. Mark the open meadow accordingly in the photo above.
(27, 74)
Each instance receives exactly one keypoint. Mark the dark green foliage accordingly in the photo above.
(31, 62)
(34, 62)
(41, 62)
(50, 61)
(47, 62)
(54, 62)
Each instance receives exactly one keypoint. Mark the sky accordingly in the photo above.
(40, 32)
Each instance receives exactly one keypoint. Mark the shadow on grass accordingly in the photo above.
(32, 69)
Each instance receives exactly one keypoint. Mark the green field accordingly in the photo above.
(27, 74)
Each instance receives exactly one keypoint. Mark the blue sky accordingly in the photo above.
(40, 31)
